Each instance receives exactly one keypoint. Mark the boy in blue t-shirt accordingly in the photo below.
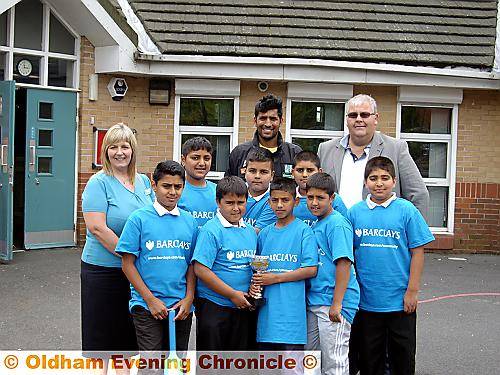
(306, 164)
(389, 239)
(259, 173)
(333, 295)
(221, 261)
(156, 247)
(293, 258)
(198, 196)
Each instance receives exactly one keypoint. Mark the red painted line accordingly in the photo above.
(492, 294)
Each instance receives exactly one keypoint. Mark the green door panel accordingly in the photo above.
(50, 168)
(7, 110)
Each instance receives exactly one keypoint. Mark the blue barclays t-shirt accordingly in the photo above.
(383, 237)
(104, 193)
(259, 213)
(283, 318)
(334, 237)
(227, 252)
(302, 212)
(163, 246)
(199, 201)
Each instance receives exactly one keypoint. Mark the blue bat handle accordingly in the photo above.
(171, 331)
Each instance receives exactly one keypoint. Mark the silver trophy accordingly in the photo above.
(259, 264)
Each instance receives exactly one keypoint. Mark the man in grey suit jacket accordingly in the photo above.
(345, 158)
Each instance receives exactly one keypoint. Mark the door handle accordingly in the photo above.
(32, 155)
(37, 181)
(2, 156)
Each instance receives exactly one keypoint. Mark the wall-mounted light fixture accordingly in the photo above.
(159, 91)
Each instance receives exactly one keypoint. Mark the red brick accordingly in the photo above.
(469, 221)
(473, 190)
(492, 190)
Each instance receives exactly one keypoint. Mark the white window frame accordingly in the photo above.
(319, 93)
(44, 54)
(206, 89)
(435, 98)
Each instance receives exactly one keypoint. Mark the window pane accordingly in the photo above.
(438, 210)
(207, 112)
(426, 120)
(317, 116)
(45, 111)
(3, 28)
(60, 39)
(44, 165)
(45, 138)
(60, 73)
(431, 158)
(309, 144)
(28, 25)
(2, 65)
(33, 64)
(220, 153)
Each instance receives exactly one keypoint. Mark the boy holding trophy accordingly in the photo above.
(292, 254)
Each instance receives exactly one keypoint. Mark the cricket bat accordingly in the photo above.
(172, 362)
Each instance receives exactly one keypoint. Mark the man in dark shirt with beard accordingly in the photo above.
(267, 120)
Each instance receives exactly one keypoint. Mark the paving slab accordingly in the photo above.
(458, 319)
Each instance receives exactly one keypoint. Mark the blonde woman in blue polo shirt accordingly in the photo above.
(110, 196)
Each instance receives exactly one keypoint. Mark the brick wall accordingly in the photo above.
(477, 217)
(386, 98)
(249, 94)
(477, 208)
(154, 123)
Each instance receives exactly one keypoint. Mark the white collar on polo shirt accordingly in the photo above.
(227, 224)
(163, 211)
(258, 197)
(371, 204)
(298, 193)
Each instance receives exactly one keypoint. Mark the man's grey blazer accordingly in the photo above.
(409, 182)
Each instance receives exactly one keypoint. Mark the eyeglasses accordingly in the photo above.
(355, 115)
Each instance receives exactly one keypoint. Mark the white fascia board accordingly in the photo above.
(280, 70)
(124, 63)
(202, 87)
(109, 25)
(368, 77)
(326, 91)
(116, 59)
(409, 79)
(7, 4)
(456, 72)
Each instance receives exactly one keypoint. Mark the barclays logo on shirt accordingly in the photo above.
(283, 257)
(167, 244)
(310, 222)
(249, 220)
(238, 254)
(374, 232)
(203, 214)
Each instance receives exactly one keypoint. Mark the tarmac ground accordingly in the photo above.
(458, 316)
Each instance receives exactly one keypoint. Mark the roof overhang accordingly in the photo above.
(7, 4)
(113, 60)
(98, 21)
